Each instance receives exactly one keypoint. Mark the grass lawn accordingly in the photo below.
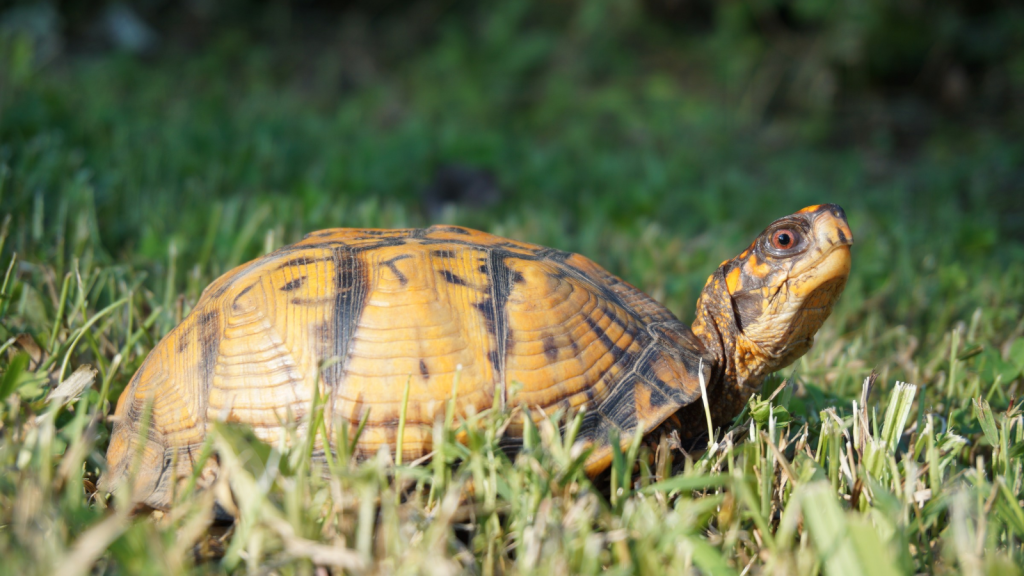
(128, 184)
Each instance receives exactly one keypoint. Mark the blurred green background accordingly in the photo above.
(657, 137)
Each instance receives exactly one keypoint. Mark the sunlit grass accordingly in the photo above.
(890, 482)
(127, 188)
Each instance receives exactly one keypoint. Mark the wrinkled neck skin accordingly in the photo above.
(759, 312)
(739, 364)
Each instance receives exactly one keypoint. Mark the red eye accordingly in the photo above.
(784, 239)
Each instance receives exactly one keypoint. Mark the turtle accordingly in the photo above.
(365, 316)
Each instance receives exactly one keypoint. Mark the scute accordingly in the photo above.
(363, 313)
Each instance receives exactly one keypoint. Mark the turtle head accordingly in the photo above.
(761, 309)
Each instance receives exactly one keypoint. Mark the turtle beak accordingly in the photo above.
(832, 241)
(831, 227)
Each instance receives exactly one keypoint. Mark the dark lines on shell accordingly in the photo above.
(302, 261)
(158, 485)
(209, 345)
(496, 359)
(550, 349)
(311, 301)
(183, 339)
(503, 252)
(601, 288)
(501, 286)
(336, 245)
(234, 303)
(508, 245)
(443, 253)
(620, 406)
(487, 309)
(423, 370)
(610, 313)
(384, 243)
(603, 337)
(590, 394)
(646, 369)
(244, 270)
(292, 285)
(451, 278)
(394, 269)
(657, 397)
(350, 285)
(510, 445)
(500, 289)
(559, 256)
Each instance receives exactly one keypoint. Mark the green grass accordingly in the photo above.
(131, 185)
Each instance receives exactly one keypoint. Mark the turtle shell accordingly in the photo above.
(364, 313)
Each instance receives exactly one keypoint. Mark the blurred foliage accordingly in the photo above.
(962, 55)
(807, 56)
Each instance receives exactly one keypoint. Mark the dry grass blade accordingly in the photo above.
(91, 545)
(320, 554)
(71, 388)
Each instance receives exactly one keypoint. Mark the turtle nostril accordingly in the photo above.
(837, 211)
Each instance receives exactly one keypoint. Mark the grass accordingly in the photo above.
(128, 186)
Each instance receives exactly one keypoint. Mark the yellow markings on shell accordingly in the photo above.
(418, 316)
(643, 406)
(733, 282)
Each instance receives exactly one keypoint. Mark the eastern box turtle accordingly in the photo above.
(364, 313)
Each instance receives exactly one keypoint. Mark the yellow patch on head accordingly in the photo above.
(810, 209)
(757, 270)
(732, 281)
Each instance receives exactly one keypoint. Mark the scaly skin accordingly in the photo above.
(759, 311)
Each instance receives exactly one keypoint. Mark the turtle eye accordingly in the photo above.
(784, 239)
